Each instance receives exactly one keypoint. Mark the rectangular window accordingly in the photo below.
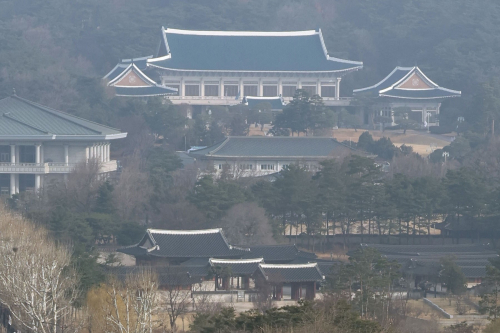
(211, 90)
(267, 166)
(230, 90)
(251, 90)
(192, 90)
(327, 91)
(284, 166)
(27, 154)
(289, 91)
(5, 154)
(220, 166)
(311, 90)
(245, 167)
(270, 91)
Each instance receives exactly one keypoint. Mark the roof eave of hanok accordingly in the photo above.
(124, 63)
(262, 268)
(384, 92)
(152, 84)
(245, 72)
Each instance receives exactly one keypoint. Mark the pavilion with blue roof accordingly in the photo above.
(408, 87)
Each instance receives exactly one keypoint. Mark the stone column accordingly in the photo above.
(337, 89)
(241, 89)
(66, 155)
(13, 154)
(101, 152)
(318, 87)
(183, 86)
(87, 154)
(37, 154)
(17, 182)
(37, 182)
(12, 184)
(261, 89)
(280, 87)
(221, 88)
(108, 155)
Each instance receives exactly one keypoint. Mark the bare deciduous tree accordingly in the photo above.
(37, 282)
(125, 305)
(247, 224)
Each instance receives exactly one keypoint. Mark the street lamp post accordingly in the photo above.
(460, 120)
(445, 155)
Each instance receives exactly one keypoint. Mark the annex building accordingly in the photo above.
(39, 145)
(406, 87)
(205, 68)
(253, 156)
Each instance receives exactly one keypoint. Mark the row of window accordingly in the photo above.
(232, 90)
(246, 167)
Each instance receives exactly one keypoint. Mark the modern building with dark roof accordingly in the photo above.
(408, 87)
(221, 67)
(172, 247)
(254, 156)
(39, 145)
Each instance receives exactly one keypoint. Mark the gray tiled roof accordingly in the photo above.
(247, 51)
(238, 266)
(184, 244)
(283, 273)
(21, 117)
(276, 147)
(278, 253)
(389, 87)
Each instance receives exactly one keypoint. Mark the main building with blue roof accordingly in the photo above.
(222, 67)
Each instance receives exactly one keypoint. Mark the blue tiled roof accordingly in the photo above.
(148, 86)
(389, 87)
(247, 51)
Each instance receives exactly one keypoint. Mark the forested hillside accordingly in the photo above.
(55, 51)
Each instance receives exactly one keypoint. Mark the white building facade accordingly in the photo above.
(40, 145)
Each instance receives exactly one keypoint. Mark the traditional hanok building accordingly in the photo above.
(302, 279)
(127, 79)
(173, 247)
(39, 145)
(407, 87)
(254, 156)
(240, 271)
(221, 67)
